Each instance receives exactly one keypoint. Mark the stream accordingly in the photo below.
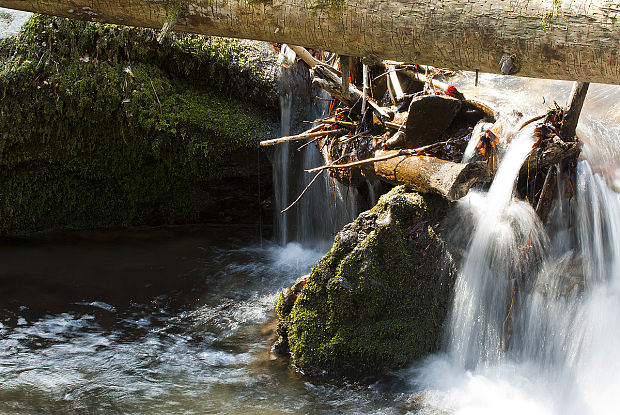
(166, 320)
(181, 319)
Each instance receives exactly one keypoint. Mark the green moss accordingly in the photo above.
(554, 13)
(334, 8)
(375, 302)
(101, 126)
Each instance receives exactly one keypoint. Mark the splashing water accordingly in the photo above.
(477, 333)
(533, 327)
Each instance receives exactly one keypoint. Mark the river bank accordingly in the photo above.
(102, 126)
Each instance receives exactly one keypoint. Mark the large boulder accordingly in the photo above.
(100, 125)
(377, 300)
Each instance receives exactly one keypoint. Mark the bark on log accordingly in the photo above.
(432, 175)
(576, 40)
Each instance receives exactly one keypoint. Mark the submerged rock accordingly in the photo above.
(377, 300)
(100, 125)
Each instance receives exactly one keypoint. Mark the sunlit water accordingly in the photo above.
(181, 321)
(11, 21)
(550, 346)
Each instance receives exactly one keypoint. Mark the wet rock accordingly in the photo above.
(377, 300)
(286, 300)
(429, 117)
(100, 125)
(395, 141)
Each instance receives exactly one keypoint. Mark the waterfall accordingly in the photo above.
(534, 323)
(328, 205)
(506, 240)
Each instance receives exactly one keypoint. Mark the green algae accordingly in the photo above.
(102, 126)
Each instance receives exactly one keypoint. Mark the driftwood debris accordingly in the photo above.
(308, 134)
(546, 194)
(574, 40)
(552, 152)
(332, 83)
(430, 174)
(417, 137)
(416, 132)
(571, 117)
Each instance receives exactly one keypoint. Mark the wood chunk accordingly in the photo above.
(432, 175)
(571, 117)
(553, 152)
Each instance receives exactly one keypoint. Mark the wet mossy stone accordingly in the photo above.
(378, 299)
(100, 125)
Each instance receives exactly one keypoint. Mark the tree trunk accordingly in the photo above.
(576, 40)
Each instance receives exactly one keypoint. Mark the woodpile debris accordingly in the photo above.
(404, 124)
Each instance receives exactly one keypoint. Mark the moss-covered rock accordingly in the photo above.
(100, 125)
(377, 300)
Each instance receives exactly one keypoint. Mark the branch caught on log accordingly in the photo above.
(333, 84)
(303, 136)
(555, 151)
(396, 87)
(310, 60)
(360, 162)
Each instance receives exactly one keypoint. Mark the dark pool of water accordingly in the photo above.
(169, 320)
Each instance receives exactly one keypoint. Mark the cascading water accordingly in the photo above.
(534, 328)
(327, 206)
(506, 241)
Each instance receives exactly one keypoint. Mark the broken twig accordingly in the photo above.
(303, 192)
(302, 136)
(360, 162)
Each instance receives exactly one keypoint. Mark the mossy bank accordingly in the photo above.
(100, 126)
(378, 299)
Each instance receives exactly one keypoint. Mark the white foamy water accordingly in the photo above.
(11, 21)
(534, 326)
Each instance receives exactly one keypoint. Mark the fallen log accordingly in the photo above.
(576, 40)
(430, 174)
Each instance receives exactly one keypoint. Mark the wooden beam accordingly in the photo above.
(577, 40)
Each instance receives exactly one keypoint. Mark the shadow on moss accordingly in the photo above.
(102, 126)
